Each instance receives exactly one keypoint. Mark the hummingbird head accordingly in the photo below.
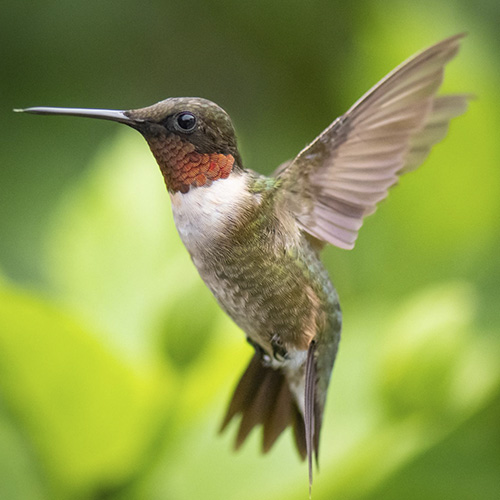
(192, 139)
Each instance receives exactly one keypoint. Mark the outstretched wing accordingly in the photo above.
(339, 178)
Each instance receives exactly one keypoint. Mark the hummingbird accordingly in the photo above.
(256, 240)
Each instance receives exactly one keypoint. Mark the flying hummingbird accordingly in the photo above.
(256, 240)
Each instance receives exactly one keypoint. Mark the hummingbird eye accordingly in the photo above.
(185, 121)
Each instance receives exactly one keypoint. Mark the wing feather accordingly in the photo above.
(339, 178)
(445, 108)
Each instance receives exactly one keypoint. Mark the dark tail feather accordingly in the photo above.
(299, 431)
(312, 415)
(278, 415)
(262, 397)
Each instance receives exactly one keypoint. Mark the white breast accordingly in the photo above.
(203, 212)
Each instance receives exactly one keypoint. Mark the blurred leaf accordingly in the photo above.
(19, 469)
(429, 348)
(188, 323)
(464, 466)
(89, 416)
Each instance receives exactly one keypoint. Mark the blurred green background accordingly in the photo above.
(115, 362)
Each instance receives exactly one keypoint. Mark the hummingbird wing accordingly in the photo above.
(338, 179)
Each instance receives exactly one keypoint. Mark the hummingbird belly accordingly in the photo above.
(266, 277)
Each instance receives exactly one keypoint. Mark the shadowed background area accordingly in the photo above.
(115, 361)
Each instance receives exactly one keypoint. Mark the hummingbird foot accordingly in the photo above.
(279, 352)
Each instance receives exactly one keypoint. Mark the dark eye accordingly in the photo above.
(186, 121)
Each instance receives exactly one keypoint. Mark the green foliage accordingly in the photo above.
(115, 361)
(88, 416)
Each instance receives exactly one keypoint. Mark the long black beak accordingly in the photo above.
(103, 114)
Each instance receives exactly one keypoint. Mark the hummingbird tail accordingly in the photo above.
(262, 396)
(312, 417)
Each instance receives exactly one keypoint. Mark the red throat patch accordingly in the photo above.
(183, 167)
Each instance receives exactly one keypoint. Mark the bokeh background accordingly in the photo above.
(115, 362)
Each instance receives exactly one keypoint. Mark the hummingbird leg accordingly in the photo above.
(279, 351)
